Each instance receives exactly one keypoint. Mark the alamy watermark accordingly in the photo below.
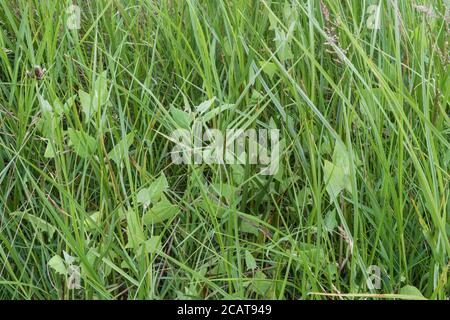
(74, 278)
(73, 21)
(374, 278)
(234, 146)
(374, 17)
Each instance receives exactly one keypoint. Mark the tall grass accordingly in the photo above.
(372, 103)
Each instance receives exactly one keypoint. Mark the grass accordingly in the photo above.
(363, 182)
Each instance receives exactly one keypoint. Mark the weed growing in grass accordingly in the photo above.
(94, 93)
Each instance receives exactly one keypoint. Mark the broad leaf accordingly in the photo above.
(135, 230)
(49, 152)
(86, 105)
(337, 173)
(181, 118)
(249, 227)
(92, 221)
(68, 258)
(335, 178)
(204, 106)
(269, 68)
(57, 264)
(45, 106)
(38, 224)
(412, 292)
(330, 222)
(161, 212)
(282, 41)
(216, 111)
(259, 283)
(120, 150)
(153, 245)
(250, 261)
(153, 193)
(101, 88)
(82, 143)
(90, 103)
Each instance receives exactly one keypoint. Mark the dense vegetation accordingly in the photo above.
(87, 182)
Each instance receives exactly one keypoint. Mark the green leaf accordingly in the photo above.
(92, 221)
(215, 207)
(216, 111)
(238, 173)
(337, 173)
(68, 258)
(153, 245)
(330, 222)
(69, 103)
(182, 118)
(120, 150)
(86, 105)
(59, 108)
(305, 195)
(290, 13)
(83, 144)
(57, 264)
(273, 21)
(135, 230)
(161, 212)
(49, 152)
(250, 261)
(259, 283)
(153, 193)
(144, 197)
(226, 191)
(341, 156)
(45, 106)
(90, 103)
(38, 224)
(204, 106)
(282, 41)
(249, 227)
(101, 89)
(269, 68)
(335, 178)
(413, 292)
(46, 125)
